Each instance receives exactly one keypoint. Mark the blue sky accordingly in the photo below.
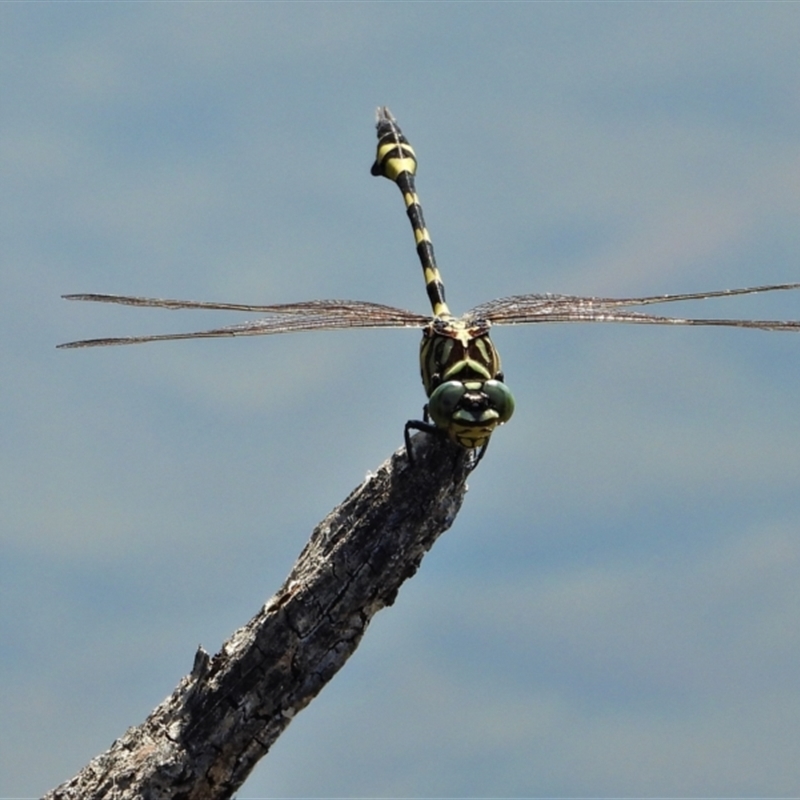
(615, 610)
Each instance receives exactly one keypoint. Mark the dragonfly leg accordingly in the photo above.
(417, 425)
(480, 455)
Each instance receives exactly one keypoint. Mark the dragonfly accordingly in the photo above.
(467, 397)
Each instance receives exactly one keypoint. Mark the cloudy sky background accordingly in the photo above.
(615, 610)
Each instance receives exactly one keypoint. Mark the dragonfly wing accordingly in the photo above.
(652, 319)
(156, 302)
(359, 307)
(313, 315)
(529, 308)
(673, 298)
(587, 313)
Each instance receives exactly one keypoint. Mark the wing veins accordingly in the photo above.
(610, 315)
(334, 306)
(529, 308)
(322, 315)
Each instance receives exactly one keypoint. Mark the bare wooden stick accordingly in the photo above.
(202, 742)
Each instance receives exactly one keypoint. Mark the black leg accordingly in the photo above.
(416, 425)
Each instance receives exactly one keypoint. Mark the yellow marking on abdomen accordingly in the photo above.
(421, 235)
(441, 310)
(432, 275)
(387, 147)
(395, 167)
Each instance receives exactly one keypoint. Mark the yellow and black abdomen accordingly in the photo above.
(397, 161)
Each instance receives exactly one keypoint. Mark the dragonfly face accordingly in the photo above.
(469, 411)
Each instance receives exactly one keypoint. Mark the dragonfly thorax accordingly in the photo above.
(457, 349)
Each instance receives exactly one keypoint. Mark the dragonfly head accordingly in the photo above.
(469, 411)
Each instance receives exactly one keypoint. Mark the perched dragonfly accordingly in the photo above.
(461, 373)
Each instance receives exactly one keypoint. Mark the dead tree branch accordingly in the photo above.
(202, 742)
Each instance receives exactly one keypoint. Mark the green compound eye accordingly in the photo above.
(487, 399)
(443, 402)
(500, 398)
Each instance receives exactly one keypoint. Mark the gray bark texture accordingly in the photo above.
(202, 742)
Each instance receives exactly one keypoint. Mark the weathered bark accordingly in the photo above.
(202, 742)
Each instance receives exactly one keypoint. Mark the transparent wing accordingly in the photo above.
(313, 315)
(529, 308)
